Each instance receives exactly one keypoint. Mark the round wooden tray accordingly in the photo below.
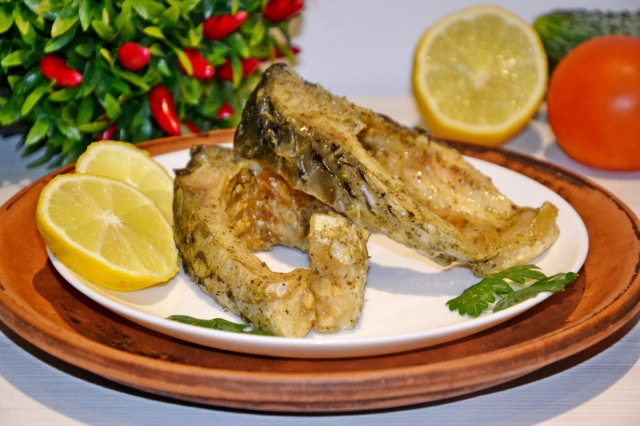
(41, 307)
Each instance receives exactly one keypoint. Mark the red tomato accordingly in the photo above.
(593, 103)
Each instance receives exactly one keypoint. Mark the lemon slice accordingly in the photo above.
(106, 231)
(125, 162)
(479, 75)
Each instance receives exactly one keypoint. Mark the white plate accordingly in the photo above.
(405, 298)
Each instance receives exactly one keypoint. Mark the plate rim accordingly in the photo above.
(329, 348)
(429, 382)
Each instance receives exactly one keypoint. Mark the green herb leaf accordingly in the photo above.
(154, 32)
(84, 14)
(85, 111)
(148, 9)
(55, 44)
(37, 132)
(477, 298)
(170, 16)
(184, 61)
(553, 284)
(15, 58)
(112, 107)
(66, 19)
(237, 44)
(103, 30)
(93, 127)
(64, 95)
(218, 324)
(6, 20)
(33, 99)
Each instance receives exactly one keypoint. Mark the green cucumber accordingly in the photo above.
(562, 30)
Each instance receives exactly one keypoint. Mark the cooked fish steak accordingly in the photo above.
(387, 177)
(223, 210)
(221, 263)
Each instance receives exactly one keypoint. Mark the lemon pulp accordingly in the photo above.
(479, 75)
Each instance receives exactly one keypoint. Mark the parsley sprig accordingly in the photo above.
(477, 298)
(218, 324)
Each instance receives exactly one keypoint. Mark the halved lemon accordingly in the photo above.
(127, 163)
(106, 231)
(479, 75)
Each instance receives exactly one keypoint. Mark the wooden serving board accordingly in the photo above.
(40, 306)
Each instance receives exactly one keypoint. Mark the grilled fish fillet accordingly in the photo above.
(384, 176)
(223, 210)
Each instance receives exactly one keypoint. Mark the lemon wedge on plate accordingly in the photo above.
(479, 75)
(125, 162)
(106, 231)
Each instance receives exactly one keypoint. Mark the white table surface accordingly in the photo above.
(366, 51)
(599, 386)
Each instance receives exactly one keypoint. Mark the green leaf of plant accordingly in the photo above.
(154, 32)
(64, 95)
(66, 19)
(112, 107)
(195, 36)
(186, 6)
(92, 76)
(86, 49)
(103, 30)
(68, 130)
(237, 44)
(218, 324)
(6, 20)
(93, 127)
(148, 9)
(477, 298)
(184, 61)
(134, 79)
(40, 7)
(553, 284)
(84, 14)
(257, 32)
(55, 44)
(170, 16)
(21, 21)
(15, 58)
(85, 111)
(37, 132)
(236, 66)
(33, 99)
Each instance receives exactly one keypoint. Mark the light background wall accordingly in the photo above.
(365, 47)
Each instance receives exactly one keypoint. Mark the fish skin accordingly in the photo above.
(334, 150)
(225, 208)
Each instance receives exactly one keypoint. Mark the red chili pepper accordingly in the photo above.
(201, 68)
(220, 26)
(133, 57)
(225, 111)
(192, 127)
(249, 65)
(163, 109)
(108, 133)
(281, 10)
(54, 67)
